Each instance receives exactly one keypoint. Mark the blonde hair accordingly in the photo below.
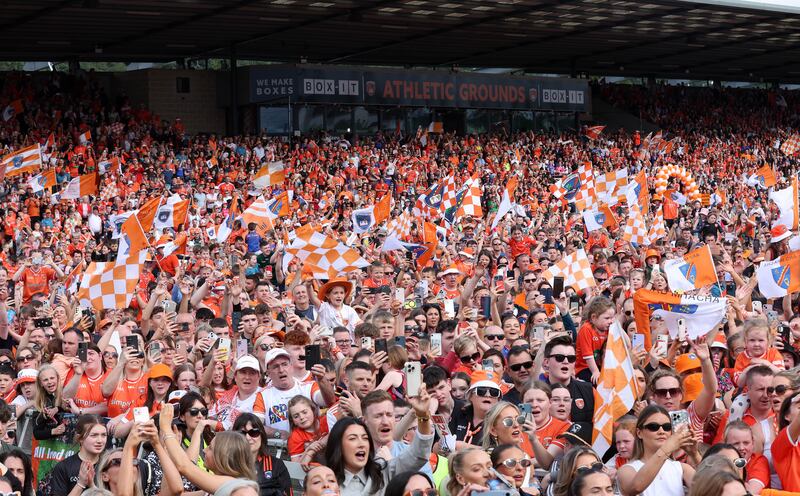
(42, 394)
(98, 476)
(755, 324)
(456, 465)
(492, 416)
(463, 342)
(232, 456)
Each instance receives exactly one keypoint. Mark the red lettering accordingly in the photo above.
(449, 92)
(502, 93)
(521, 94)
(483, 93)
(398, 88)
(473, 93)
(463, 92)
(493, 93)
(408, 89)
(426, 90)
(387, 89)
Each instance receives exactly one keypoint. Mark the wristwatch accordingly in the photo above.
(276, 434)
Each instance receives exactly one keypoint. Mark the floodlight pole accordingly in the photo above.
(233, 128)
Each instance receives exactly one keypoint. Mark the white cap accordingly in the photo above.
(247, 362)
(275, 353)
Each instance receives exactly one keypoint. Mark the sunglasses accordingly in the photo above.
(529, 280)
(251, 432)
(194, 412)
(628, 312)
(410, 328)
(558, 357)
(512, 462)
(594, 467)
(519, 366)
(25, 358)
(265, 347)
(779, 390)
(668, 391)
(483, 392)
(471, 358)
(422, 492)
(510, 421)
(108, 354)
(494, 337)
(654, 427)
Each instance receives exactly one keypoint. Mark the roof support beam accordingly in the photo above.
(21, 21)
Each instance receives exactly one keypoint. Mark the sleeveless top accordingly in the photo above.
(668, 481)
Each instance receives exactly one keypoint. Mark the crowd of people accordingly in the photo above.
(235, 363)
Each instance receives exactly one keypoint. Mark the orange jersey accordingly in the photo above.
(126, 394)
(786, 458)
(89, 393)
(300, 438)
(589, 345)
(549, 432)
(36, 281)
(744, 360)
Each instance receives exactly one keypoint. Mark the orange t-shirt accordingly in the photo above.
(89, 393)
(549, 432)
(786, 458)
(300, 438)
(589, 343)
(744, 360)
(36, 281)
(126, 394)
(758, 469)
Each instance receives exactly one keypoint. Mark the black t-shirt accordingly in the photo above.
(65, 474)
(273, 477)
(461, 426)
(513, 396)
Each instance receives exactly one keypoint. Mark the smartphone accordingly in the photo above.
(366, 343)
(423, 285)
(400, 294)
(83, 349)
(168, 306)
(413, 372)
(785, 334)
(400, 341)
(730, 288)
(224, 346)
(558, 286)
(488, 364)
(313, 356)
(338, 391)
(548, 295)
(525, 409)
(538, 333)
(234, 259)
(679, 418)
(449, 307)
(141, 414)
(212, 336)
(486, 307)
(241, 348)
(661, 345)
(132, 342)
(574, 307)
(682, 330)
(43, 322)
(381, 345)
(154, 350)
(757, 307)
(499, 283)
(638, 341)
(436, 344)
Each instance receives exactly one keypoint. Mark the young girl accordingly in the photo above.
(308, 427)
(334, 311)
(757, 349)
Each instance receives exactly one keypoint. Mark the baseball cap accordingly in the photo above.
(578, 434)
(248, 362)
(159, 370)
(275, 353)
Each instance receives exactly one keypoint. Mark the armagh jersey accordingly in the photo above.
(229, 406)
(272, 403)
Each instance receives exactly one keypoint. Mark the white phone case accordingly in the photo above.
(413, 378)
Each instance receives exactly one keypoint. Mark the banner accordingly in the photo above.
(779, 277)
(701, 313)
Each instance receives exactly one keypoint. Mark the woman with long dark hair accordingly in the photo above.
(19, 464)
(272, 475)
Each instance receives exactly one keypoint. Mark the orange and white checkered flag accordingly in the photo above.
(325, 254)
(635, 228)
(658, 228)
(401, 225)
(111, 285)
(616, 390)
(271, 174)
(576, 270)
(791, 145)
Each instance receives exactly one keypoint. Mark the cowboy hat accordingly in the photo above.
(336, 281)
(778, 233)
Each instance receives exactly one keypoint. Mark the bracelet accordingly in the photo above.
(80, 485)
(424, 419)
(169, 436)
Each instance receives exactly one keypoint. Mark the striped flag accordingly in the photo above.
(576, 270)
(271, 174)
(599, 218)
(327, 254)
(692, 271)
(50, 143)
(12, 110)
(507, 202)
(43, 181)
(616, 391)
(85, 137)
(28, 159)
(365, 218)
(700, 313)
(111, 285)
(172, 214)
(787, 202)
(83, 185)
(779, 277)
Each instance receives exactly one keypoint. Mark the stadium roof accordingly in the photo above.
(720, 39)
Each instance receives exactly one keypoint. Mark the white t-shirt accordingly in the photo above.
(272, 403)
(229, 406)
(668, 481)
(346, 316)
